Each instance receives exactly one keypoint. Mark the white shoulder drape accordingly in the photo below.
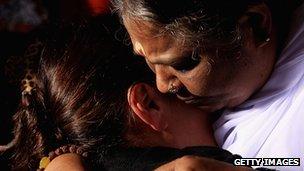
(271, 124)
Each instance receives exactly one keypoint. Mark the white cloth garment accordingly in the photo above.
(271, 124)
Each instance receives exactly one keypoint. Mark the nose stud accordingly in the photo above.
(173, 89)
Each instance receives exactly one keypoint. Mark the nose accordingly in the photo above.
(165, 78)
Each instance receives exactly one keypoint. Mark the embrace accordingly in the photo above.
(228, 83)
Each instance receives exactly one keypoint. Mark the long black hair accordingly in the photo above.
(79, 95)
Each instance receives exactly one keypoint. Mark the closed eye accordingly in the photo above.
(187, 63)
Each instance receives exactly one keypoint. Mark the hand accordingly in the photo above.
(194, 163)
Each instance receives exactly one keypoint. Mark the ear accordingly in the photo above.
(258, 19)
(147, 103)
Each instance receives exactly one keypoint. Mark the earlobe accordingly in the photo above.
(142, 100)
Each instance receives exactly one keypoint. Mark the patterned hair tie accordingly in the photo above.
(29, 84)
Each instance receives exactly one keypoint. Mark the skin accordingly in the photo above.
(215, 82)
(67, 162)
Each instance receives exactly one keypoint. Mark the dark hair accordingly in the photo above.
(208, 24)
(80, 97)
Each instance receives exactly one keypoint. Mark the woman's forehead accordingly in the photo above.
(141, 27)
(161, 49)
(158, 50)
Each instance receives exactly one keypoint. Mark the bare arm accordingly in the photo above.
(194, 163)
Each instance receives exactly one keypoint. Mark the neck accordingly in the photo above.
(193, 133)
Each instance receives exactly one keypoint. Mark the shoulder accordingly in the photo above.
(66, 162)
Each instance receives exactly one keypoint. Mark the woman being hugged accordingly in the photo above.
(93, 106)
(76, 100)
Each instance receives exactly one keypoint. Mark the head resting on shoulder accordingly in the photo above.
(92, 92)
